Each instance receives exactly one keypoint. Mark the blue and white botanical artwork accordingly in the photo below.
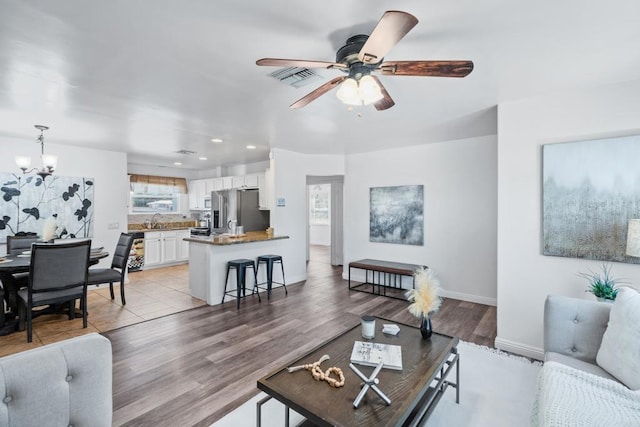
(27, 202)
(396, 214)
(590, 191)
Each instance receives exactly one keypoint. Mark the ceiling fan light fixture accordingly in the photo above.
(349, 93)
(369, 90)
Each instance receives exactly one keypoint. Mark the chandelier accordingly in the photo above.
(49, 161)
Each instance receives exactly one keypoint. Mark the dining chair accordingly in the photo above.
(15, 246)
(18, 244)
(118, 268)
(57, 275)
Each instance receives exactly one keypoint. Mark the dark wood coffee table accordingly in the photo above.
(414, 391)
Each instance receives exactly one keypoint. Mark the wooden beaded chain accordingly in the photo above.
(319, 375)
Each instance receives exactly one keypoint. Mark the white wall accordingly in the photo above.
(525, 276)
(459, 179)
(258, 167)
(320, 235)
(187, 174)
(108, 168)
(290, 172)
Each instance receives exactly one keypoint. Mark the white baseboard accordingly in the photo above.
(518, 348)
(168, 264)
(470, 298)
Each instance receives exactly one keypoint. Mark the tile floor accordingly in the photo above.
(149, 294)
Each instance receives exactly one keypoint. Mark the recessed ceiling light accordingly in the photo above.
(251, 147)
(177, 163)
(202, 158)
(216, 140)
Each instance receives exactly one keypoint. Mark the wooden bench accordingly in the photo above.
(385, 275)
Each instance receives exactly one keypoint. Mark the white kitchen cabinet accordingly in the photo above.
(251, 181)
(197, 193)
(263, 200)
(245, 181)
(237, 182)
(168, 250)
(209, 186)
(218, 184)
(265, 190)
(182, 247)
(152, 248)
(163, 247)
(227, 182)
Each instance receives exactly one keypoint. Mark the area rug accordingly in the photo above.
(497, 389)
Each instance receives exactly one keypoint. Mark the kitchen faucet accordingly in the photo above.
(154, 220)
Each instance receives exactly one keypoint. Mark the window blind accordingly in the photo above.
(180, 184)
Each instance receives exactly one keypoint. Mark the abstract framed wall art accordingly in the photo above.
(396, 214)
(28, 202)
(591, 189)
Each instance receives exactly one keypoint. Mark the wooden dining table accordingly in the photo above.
(13, 264)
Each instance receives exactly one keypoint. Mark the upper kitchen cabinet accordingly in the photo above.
(209, 186)
(251, 181)
(265, 190)
(245, 181)
(227, 183)
(197, 194)
(218, 184)
(238, 182)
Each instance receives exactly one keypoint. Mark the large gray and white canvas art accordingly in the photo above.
(27, 202)
(396, 215)
(590, 191)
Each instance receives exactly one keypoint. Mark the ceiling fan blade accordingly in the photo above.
(391, 28)
(312, 96)
(386, 102)
(277, 62)
(426, 68)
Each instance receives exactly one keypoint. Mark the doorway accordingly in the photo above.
(325, 216)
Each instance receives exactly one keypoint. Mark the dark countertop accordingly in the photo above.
(226, 239)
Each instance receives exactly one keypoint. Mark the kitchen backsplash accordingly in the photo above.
(137, 222)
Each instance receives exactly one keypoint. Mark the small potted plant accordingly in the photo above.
(424, 299)
(602, 284)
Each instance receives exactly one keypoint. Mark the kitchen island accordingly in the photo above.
(208, 257)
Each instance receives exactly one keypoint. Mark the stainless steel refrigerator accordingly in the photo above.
(247, 212)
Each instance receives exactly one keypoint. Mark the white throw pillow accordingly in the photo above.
(619, 353)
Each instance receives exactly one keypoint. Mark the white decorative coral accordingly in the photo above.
(49, 229)
(425, 297)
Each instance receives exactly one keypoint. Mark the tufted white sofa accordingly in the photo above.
(589, 377)
(573, 330)
(68, 383)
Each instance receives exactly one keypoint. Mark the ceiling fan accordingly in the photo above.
(363, 55)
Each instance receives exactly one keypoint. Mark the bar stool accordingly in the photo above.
(269, 260)
(240, 265)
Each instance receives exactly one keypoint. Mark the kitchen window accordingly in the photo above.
(150, 194)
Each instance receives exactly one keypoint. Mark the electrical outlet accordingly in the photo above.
(113, 226)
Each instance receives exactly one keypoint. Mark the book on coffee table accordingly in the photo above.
(370, 354)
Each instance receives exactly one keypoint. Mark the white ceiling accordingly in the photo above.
(151, 77)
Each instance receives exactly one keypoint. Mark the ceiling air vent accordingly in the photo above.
(295, 76)
(187, 152)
